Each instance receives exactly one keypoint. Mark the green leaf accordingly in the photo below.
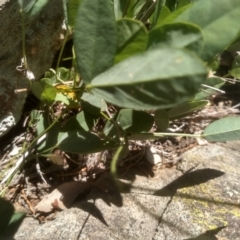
(32, 7)
(65, 74)
(42, 124)
(235, 45)
(92, 104)
(236, 63)
(179, 35)
(84, 142)
(82, 121)
(214, 64)
(134, 7)
(16, 217)
(14, 224)
(132, 38)
(161, 119)
(44, 91)
(157, 12)
(51, 77)
(184, 109)
(235, 71)
(94, 38)
(9, 220)
(38, 7)
(182, 3)
(120, 8)
(217, 18)
(133, 121)
(172, 4)
(6, 212)
(41, 121)
(35, 116)
(51, 139)
(226, 129)
(214, 82)
(112, 130)
(159, 78)
(64, 98)
(130, 121)
(163, 14)
(26, 5)
(171, 17)
(72, 9)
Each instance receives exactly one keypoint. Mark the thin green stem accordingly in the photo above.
(23, 38)
(113, 167)
(147, 136)
(76, 74)
(67, 59)
(106, 117)
(178, 134)
(61, 51)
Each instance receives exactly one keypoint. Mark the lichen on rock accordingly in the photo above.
(43, 37)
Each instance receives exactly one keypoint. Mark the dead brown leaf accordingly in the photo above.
(62, 197)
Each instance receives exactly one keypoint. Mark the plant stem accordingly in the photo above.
(147, 136)
(113, 167)
(23, 38)
(61, 51)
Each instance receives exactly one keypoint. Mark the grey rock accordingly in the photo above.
(206, 203)
(43, 39)
(132, 213)
(199, 200)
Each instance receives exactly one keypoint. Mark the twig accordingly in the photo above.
(213, 88)
(39, 169)
(27, 201)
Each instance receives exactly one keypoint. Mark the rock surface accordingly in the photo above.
(42, 41)
(199, 200)
(207, 198)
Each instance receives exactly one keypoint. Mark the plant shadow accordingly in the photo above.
(117, 188)
(208, 235)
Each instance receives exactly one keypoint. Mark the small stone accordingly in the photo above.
(153, 155)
